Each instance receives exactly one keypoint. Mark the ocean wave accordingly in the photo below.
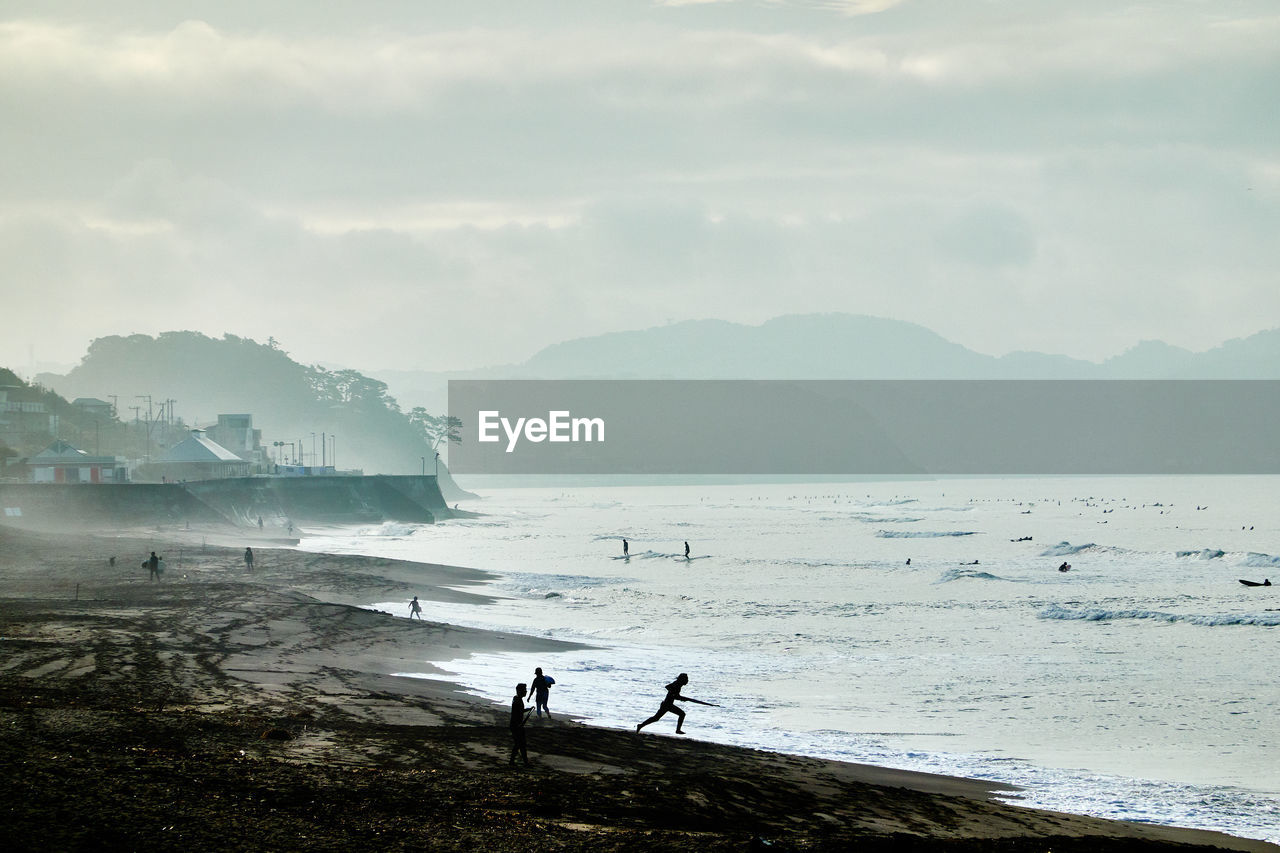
(967, 574)
(922, 534)
(1066, 549)
(1203, 554)
(871, 518)
(1260, 561)
(390, 529)
(1097, 614)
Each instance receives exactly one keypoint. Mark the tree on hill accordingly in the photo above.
(289, 401)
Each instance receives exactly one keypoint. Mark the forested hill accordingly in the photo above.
(289, 401)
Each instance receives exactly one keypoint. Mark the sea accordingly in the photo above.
(919, 624)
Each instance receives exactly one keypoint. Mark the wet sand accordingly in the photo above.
(217, 709)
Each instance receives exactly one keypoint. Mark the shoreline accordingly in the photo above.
(215, 678)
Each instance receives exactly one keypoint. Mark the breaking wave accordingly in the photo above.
(967, 574)
(1065, 549)
(922, 534)
(1096, 614)
(1203, 554)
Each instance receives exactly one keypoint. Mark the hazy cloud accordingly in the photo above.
(384, 185)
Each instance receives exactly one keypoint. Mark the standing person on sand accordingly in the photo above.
(153, 567)
(669, 704)
(415, 609)
(540, 687)
(519, 713)
(625, 548)
(248, 559)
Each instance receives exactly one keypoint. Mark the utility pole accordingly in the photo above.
(147, 397)
(324, 451)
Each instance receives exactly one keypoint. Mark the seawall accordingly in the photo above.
(238, 501)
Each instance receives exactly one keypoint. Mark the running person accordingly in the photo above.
(669, 704)
(540, 687)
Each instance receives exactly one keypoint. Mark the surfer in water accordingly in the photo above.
(1065, 567)
(669, 704)
(624, 548)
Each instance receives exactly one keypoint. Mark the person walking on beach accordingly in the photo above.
(540, 687)
(686, 550)
(248, 559)
(415, 609)
(669, 704)
(153, 567)
(624, 548)
(519, 714)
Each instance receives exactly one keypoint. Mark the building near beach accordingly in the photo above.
(237, 434)
(198, 457)
(61, 462)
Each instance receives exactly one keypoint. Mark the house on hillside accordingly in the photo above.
(62, 462)
(23, 420)
(198, 457)
(94, 408)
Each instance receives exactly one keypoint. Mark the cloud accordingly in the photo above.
(529, 177)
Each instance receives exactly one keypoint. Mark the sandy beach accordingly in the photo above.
(218, 709)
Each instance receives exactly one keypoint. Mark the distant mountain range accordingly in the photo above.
(832, 346)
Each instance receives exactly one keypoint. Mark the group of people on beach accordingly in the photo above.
(541, 686)
(520, 714)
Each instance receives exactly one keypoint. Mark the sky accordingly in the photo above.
(432, 185)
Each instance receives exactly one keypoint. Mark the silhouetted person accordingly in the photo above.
(112, 562)
(1065, 567)
(686, 550)
(540, 687)
(624, 548)
(248, 559)
(153, 567)
(519, 713)
(415, 609)
(669, 704)
(908, 561)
